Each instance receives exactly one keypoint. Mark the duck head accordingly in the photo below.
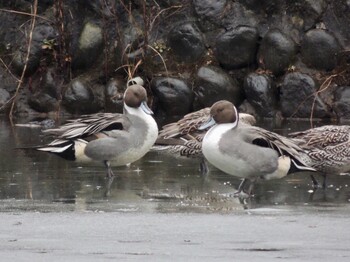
(135, 96)
(221, 112)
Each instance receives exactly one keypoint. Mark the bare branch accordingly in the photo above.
(35, 7)
(24, 13)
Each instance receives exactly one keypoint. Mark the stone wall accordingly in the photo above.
(271, 57)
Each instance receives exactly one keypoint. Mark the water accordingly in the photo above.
(158, 183)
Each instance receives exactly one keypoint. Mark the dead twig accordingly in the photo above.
(7, 103)
(166, 69)
(24, 13)
(324, 86)
(8, 70)
(34, 11)
(162, 11)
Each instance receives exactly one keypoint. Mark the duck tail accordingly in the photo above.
(298, 166)
(64, 149)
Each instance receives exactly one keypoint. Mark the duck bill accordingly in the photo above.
(145, 108)
(210, 122)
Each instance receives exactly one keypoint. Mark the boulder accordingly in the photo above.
(46, 91)
(341, 105)
(90, 46)
(42, 34)
(186, 41)
(81, 97)
(114, 93)
(261, 94)
(320, 50)
(277, 52)
(213, 84)
(173, 97)
(208, 9)
(4, 97)
(298, 97)
(237, 47)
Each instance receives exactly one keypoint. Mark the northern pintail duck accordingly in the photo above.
(247, 151)
(327, 148)
(183, 138)
(114, 139)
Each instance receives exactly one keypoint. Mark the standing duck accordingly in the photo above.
(246, 151)
(183, 138)
(113, 139)
(327, 148)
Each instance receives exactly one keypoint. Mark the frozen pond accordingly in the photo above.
(166, 205)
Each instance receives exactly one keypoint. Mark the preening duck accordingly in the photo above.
(327, 148)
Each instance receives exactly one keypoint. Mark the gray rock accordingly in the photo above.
(213, 84)
(336, 19)
(341, 103)
(22, 107)
(80, 98)
(41, 34)
(173, 97)
(46, 91)
(89, 47)
(237, 47)
(277, 52)
(114, 95)
(42, 102)
(209, 11)
(186, 41)
(298, 97)
(246, 107)
(7, 81)
(269, 7)
(306, 12)
(4, 97)
(320, 49)
(133, 38)
(261, 94)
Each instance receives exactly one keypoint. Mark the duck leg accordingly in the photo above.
(203, 167)
(315, 183)
(324, 183)
(110, 173)
(251, 187)
(109, 183)
(240, 187)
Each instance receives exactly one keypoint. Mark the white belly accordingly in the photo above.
(230, 164)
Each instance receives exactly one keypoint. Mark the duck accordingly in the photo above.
(327, 148)
(184, 139)
(246, 151)
(110, 138)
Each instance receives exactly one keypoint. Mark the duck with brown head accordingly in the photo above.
(184, 139)
(113, 139)
(245, 151)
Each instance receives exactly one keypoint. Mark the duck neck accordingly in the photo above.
(144, 128)
(216, 132)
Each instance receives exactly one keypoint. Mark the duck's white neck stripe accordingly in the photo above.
(237, 117)
(219, 131)
(133, 111)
